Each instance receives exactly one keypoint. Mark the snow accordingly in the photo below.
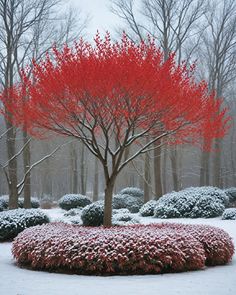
(218, 280)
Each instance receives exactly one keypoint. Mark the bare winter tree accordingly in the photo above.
(218, 53)
(28, 28)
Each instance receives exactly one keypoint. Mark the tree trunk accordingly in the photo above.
(217, 164)
(174, 168)
(157, 171)
(147, 178)
(12, 167)
(204, 171)
(73, 168)
(164, 169)
(107, 222)
(26, 161)
(95, 184)
(82, 170)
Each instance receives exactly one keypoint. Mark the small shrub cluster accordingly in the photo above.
(231, 193)
(229, 214)
(4, 201)
(148, 208)
(71, 201)
(13, 222)
(33, 201)
(92, 215)
(192, 202)
(133, 192)
(73, 212)
(124, 220)
(136, 249)
(133, 204)
(120, 211)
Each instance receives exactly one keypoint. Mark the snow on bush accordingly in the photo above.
(70, 201)
(5, 201)
(133, 204)
(148, 208)
(121, 219)
(192, 202)
(231, 193)
(33, 201)
(120, 211)
(132, 191)
(92, 215)
(136, 249)
(13, 222)
(73, 212)
(229, 213)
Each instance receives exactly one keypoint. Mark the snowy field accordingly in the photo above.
(220, 280)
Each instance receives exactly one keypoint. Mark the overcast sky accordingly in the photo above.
(101, 18)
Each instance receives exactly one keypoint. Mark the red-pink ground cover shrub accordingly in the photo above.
(137, 249)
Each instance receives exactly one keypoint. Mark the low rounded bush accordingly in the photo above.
(74, 212)
(133, 192)
(13, 222)
(136, 249)
(231, 193)
(123, 219)
(92, 215)
(194, 202)
(33, 201)
(133, 204)
(120, 211)
(148, 208)
(71, 201)
(229, 214)
(5, 201)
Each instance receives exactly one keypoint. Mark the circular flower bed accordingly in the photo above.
(136, 249)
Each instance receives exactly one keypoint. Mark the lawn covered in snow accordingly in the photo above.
(220, 280)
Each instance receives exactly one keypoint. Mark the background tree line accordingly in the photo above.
(195, 30)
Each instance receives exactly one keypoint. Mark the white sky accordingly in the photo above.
(101, 17)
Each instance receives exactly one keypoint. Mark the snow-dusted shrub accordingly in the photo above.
(229, 213)
(148, 208)
(33, 201)
(92, 215)
(124, 219)
(74, 212)
(136, 249)
(13, 222)
(231, 193)
(132, 191)
(71, 201)
(5, 200)
(217, 243)
(120, 211)
(128, 202)
(192, 202)
(3, 203)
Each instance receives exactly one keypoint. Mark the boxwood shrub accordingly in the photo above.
(229, 214)
(71, 201)
(12, 222)
(148, 208)
(193, 202)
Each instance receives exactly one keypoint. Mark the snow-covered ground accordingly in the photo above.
(220, 280)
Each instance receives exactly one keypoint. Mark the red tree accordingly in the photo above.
(114, 95)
